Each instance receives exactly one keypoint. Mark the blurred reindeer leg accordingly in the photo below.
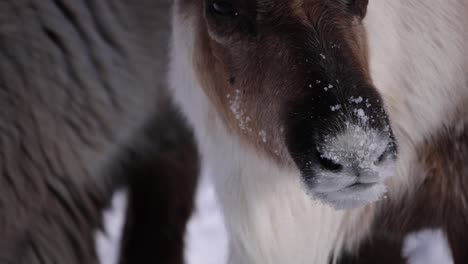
(162, 178)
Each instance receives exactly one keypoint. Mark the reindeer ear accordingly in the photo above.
(357, 7)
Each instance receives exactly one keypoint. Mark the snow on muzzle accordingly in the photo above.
(344, 154)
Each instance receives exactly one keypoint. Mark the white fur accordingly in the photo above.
(418, 62)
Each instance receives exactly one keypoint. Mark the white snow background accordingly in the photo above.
(206, 241)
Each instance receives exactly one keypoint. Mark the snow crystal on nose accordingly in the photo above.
(356, 100)
(355, 146)
(335, 107)
(361, 115)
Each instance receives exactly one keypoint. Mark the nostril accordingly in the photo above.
(382, 157)
(389, 151)
(327, 163)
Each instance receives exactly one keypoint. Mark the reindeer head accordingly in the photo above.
(291, 78)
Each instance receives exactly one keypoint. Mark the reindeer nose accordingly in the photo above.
(356, 170)
(356, 150)
(350, 166)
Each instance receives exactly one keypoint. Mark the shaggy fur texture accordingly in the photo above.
(82, 104)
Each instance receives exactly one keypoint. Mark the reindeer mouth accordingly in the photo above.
(350, 187)
(361, 186)
(353, 196)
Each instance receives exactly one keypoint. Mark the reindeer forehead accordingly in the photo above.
(294, 6)
(295, 3)
(297, 7)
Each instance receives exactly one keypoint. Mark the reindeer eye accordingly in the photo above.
(357, 7)
(223, 8)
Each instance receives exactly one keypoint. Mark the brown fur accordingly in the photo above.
(269, 65)
(161, 171)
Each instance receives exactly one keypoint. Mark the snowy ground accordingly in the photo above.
(207, 243)
(107, 243)
(427, 247)
(206, 236)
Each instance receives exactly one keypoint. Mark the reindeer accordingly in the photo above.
(84, 109)
(290, 101)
